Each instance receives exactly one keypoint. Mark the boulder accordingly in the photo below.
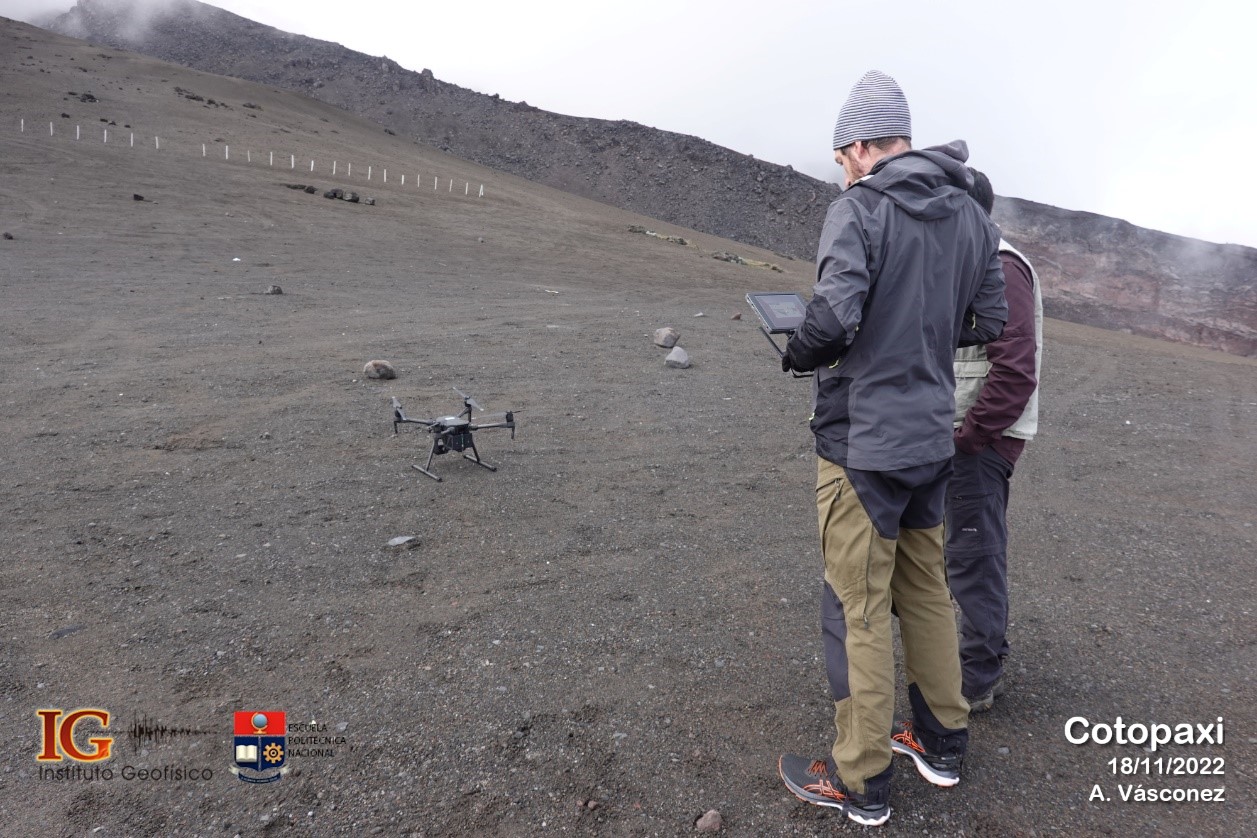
(709, 822)
(678, 358)
(667, 337)
(379, 369)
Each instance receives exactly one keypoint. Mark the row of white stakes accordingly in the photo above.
(292, 160)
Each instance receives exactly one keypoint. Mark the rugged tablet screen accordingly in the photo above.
(780, 313)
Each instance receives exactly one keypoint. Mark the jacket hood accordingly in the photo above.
(928, 183)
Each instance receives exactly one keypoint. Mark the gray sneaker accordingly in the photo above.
(984, 702)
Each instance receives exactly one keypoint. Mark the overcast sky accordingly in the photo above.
(1128, 109)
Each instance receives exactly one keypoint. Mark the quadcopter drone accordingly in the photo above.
(454, 433)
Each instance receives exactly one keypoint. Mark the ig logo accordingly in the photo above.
(57, 736)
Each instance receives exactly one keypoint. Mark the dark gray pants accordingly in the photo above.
(977, 564)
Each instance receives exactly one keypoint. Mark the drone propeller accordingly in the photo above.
(468, 399)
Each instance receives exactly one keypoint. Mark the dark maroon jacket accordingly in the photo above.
(1011, 380)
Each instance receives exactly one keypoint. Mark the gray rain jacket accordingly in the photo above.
(908, 269)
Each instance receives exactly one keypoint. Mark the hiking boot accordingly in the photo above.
(984, 702)
(940, 769)
(816, 781)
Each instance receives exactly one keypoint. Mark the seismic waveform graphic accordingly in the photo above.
(143, 730)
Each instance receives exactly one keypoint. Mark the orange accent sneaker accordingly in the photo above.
(816, 781)
(939, 769)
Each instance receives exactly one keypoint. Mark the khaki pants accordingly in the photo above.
(868, 572)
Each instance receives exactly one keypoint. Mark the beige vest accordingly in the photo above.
(972, 367)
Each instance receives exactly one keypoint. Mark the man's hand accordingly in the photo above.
(788, 362)
(967, 443)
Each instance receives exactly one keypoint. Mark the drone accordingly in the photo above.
(455, 433)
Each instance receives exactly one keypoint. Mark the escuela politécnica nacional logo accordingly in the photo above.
(261, 746)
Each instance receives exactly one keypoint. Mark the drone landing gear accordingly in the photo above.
(437, 448)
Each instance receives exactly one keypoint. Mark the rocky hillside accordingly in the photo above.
(1106, 272)
(1095, 270)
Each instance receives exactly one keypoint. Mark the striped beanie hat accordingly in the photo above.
(875, 108)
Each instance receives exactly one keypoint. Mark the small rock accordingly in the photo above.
(334, 193)
(351, 197)
(737, 315)
(678, 358)
(135, 196)
(369, 201)
(481, 239)
(274, 289)
(700, 314)
(407, 541)
(709, 822)
(379, 369)
(8, 236)
(311, 189)
(667, 337)
(1005, 751)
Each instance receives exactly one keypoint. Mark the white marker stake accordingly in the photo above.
(386, 175)
(333, 167)
(433, 184)
(248, 155)
(403, 180)
(272, 158)
(451, 189)
(467, 188)
(481, 195)
(106, 135)
(368, 172)
(157, 143)
(312, 165)
(226, 152)
(133, 141)
(202, 149)
(76, 132)
(23, 126)
(349, 171)
(292, 161)
(50, 129)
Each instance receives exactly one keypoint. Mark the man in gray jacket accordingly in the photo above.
(907, 271)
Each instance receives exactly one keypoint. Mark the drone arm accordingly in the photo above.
(508, 422)
(400, 418)
(489, 425)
